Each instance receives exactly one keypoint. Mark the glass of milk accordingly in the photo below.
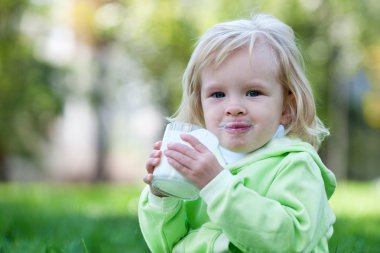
(168, 180)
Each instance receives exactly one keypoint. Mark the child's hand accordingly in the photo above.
(153, 161)
(197, 164)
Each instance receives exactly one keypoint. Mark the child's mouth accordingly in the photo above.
(236, 126)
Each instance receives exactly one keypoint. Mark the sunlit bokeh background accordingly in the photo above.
(85, 85)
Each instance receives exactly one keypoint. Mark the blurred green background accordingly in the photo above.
(85, 86)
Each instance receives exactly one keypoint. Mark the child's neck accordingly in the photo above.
(230, 156)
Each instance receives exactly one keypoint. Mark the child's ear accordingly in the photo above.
(288, 109)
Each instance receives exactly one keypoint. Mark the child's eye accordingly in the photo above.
(253, 93)
(218, 94)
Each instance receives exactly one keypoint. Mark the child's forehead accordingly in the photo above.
(261, 50)
(242, 67)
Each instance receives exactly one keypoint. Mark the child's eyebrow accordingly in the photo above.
(257, 84)
(210, 90)
(211, 86)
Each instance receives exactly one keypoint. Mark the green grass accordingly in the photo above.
(72, 218)
(357, 207)
(69, 218)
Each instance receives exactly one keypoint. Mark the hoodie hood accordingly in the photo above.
(283, 146)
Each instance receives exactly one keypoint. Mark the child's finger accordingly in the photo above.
(194, 142)
(157, 145)
(151, 164)
(180, 158)
(182, 149)
(148, 178)
(155, 154)
(180, 167)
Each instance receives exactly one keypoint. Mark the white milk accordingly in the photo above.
(168, 180)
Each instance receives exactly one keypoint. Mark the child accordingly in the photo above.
(245, 84)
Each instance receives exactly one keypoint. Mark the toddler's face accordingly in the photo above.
(242, 99)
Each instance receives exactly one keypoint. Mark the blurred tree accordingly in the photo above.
(162, 36)
(28, 102)
(99, 34)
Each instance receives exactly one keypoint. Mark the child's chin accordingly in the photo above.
(239, 148)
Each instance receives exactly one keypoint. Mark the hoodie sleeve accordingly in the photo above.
(162, 221)
(290, 214)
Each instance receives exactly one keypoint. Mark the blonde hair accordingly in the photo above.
(225, 38)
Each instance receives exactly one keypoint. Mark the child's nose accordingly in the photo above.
(235, 109)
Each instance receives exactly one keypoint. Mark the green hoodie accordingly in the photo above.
(273, 200)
